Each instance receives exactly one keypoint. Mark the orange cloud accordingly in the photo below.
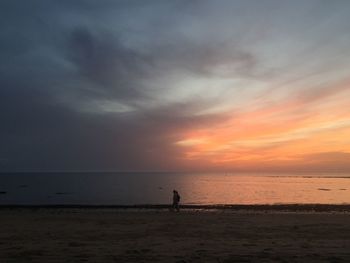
(277, 135)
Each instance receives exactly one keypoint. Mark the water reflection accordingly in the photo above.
(222, 189)
(156, 188)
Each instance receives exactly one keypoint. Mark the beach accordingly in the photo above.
(158, 235)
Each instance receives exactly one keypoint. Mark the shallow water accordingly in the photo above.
(156, 188)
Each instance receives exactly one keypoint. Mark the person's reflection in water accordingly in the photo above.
(176, 201)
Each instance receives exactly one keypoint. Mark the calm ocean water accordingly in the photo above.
(156, 188)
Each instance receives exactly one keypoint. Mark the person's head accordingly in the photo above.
(174, 191)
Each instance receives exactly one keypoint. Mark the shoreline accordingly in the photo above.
(217, 207)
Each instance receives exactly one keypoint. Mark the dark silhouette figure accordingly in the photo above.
(176, 201)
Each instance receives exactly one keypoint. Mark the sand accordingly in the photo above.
(117, 235)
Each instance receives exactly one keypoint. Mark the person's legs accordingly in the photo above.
(177, 207)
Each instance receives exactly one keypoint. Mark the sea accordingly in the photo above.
(101, 188)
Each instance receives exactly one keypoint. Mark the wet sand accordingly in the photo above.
(157, 235)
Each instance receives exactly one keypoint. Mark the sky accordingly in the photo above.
(175, 85)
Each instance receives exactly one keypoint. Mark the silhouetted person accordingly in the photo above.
(176, 200)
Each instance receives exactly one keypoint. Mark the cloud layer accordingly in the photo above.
(174, 85)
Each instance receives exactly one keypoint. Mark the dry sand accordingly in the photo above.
(116, 235)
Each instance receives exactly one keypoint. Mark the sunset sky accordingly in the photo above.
(175, 85)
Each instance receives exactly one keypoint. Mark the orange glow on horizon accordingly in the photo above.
(294, 132)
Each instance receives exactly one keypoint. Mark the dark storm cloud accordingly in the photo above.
(48, 69)
(38, 131)
(118, 71)
(104, 61)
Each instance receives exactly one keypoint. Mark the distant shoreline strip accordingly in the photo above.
(233, 207)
